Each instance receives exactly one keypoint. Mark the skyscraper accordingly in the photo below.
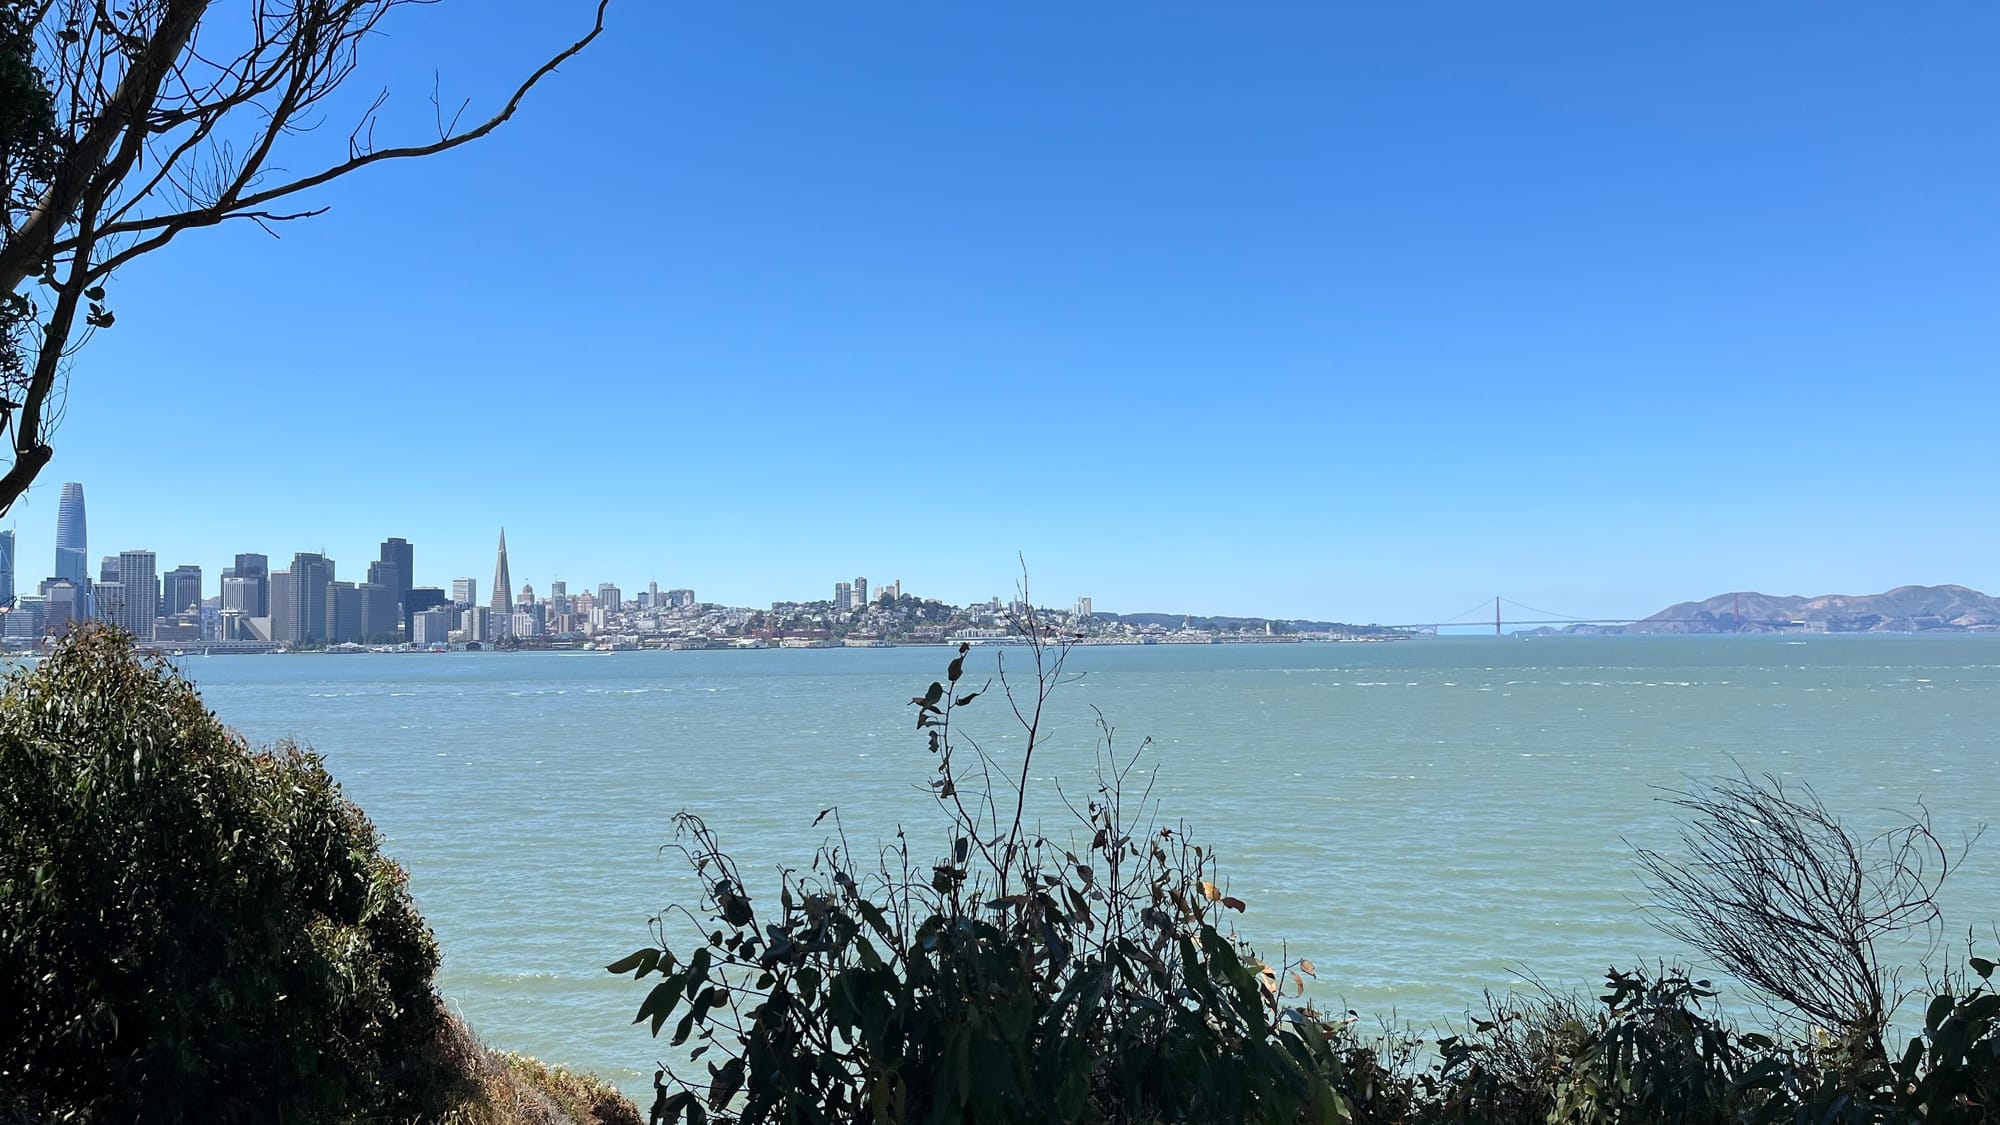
(343, 613)
(381, 614)
(72, 543)
(256, 568)
(311, 575)
(503, 584)
(402, 556)
(138, 572)
(6, 568)
(181, 588)
(282, 618)
(465, 591)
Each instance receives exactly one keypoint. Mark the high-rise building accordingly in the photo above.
(843, 597)
(681, 599)
(343, 613)
(72, 540)
(861, 593)
(431, 626)
(107, 601)
(419, 599)
(503, 583)
(1083, 607)
(6, 568)
(24, 621)
(281, 618)
(384, 573)
(107, 569)
(652, 593)
(398, 553)
(610, 598)
(381, 614)
(62, 605)
(180, 590)
(138, 573)
(256, 568)
(311, 574)
(464, 591)
(241, 595)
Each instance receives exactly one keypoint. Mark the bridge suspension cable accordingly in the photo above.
(1543, 612)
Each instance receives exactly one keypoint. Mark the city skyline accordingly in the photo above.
(1363, 321)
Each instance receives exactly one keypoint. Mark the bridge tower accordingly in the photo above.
(1496, 614)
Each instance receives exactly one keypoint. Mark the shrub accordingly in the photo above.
(1014, 979)
(190, 930)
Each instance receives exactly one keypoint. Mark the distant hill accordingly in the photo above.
(1234, 624)
(1905, 609)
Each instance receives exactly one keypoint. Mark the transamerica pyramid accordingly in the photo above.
(503, 586)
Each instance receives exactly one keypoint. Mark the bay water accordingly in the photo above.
(1427, 820)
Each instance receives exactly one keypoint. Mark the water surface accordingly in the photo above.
(1425, 820)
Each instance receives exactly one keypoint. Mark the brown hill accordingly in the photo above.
(1905, 609)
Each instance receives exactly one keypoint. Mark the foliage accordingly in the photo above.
(1015, 979)
(190, 930)
(1019, 979)
(1783, 896)
(503, 1088)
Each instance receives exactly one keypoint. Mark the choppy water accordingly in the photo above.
(1426, 820)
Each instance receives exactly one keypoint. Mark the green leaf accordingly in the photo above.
(644, 957)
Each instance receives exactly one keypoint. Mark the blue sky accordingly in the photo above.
(1362, 312)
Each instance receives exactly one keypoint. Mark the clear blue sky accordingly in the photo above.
(1350, 311)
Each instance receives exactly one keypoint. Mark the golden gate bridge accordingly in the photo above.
(1501, 623)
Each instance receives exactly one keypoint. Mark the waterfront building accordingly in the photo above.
(464, 591)
(6, 568)
(343, 613)
(234, 625)
(431, 626)
(472, 623)
(138, 574)
(180, 589)
(503, 583)
(419, 599)
(381, 613)
(525, 624)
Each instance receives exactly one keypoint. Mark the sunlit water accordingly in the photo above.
(1426, 820)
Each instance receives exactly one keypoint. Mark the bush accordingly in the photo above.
(190, 930)
(1015, 979)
